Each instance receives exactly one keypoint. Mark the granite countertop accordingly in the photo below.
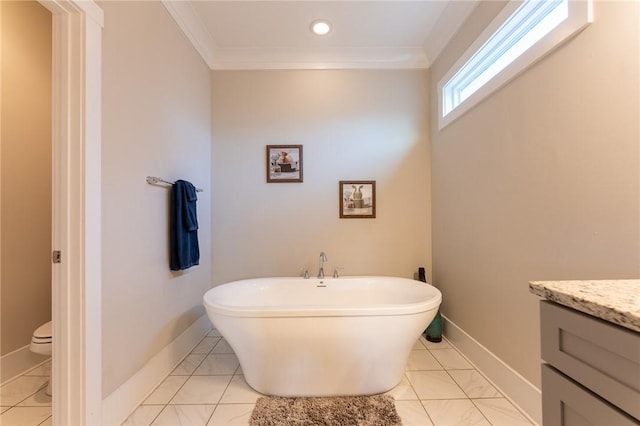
(616, 301)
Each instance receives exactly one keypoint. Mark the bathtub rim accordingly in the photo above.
(288, 311)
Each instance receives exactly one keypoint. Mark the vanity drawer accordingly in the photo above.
(603, 357)
(566, 403)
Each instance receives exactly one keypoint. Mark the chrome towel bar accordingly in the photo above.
(152, 180)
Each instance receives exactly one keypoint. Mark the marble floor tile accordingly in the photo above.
(439, 387)
(38, 399)
(166, 390)
(231, 415)
(218, 365)
(19, 389)
(433, 345)
(501, 412)
(412, 413)
(214, 333)
(422, 360)
(202, 390)
(205, 345)
(419, 346)
(184, 415)
(41, 370)
(143, 415)
(474, 384)
(188, 365)
(24, 416)
(434, 385)
(239, 392)
(222, 347)
(451, 359)
(403, 391)
(454, 412)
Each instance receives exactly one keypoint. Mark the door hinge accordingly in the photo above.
(57, 256)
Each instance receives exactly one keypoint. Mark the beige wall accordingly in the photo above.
(156, 121)
(358, 125)
(538, 182)
(26, 171)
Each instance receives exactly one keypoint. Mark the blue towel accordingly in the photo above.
(183, 232)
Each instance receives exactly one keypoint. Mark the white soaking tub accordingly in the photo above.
(322, 337)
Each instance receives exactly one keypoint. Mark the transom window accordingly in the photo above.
(521, 34)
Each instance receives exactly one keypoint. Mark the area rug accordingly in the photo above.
(375, 410)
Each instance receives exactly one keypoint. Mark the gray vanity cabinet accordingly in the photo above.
(592, 370)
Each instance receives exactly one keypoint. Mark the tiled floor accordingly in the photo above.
(23, 401)
(439, 387)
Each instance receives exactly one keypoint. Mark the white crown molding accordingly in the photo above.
(328, 58)
(452, 17)
(447, 25)
(192, 26)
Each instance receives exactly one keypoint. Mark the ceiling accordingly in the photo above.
(267, 34)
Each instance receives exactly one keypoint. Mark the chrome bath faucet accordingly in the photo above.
(323, 258)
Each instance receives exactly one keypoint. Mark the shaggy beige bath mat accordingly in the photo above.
(375, 410)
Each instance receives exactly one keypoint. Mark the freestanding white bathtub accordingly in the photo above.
(322, 337)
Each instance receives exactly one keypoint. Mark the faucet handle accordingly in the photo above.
(335, 271)
(305, 273)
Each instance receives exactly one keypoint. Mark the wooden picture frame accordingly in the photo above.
(357, 199)
(284, 163)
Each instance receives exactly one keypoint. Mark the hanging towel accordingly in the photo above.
(183, 232)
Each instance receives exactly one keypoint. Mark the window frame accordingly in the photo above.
(580, 15)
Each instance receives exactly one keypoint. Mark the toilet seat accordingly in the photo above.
(42, 334)
(41, 340)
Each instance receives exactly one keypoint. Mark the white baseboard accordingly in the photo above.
(515, 387)
(123, 401)
(18, 362)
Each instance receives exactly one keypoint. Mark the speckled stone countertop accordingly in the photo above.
(616, 301)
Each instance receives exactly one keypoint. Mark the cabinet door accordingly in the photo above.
(603, 357)
(566, 403)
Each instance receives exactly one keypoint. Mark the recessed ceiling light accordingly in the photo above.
(320, 27)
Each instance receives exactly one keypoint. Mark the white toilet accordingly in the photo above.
(41, 344)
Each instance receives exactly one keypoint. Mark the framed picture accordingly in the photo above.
(357, 199)
(284, 163)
